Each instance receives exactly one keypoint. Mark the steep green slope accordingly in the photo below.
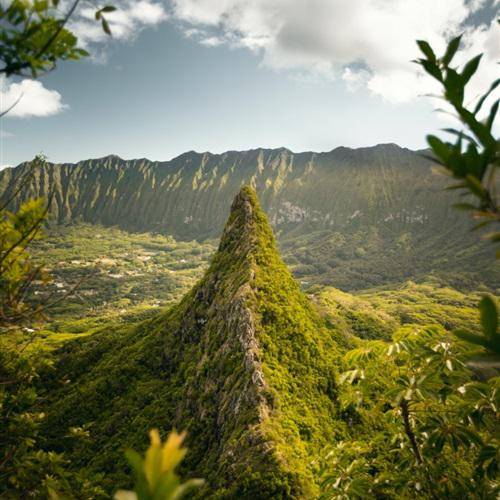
(244, 363)
(351, 218)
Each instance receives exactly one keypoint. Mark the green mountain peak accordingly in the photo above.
(243, 363)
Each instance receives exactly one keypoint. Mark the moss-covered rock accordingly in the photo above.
(245, 363)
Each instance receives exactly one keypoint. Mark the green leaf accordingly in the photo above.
(135, 461)
(426, 50)
(480, 103)
(481, 224)
(440, 149)
(460, 185)
(454, 88)
(470, 68)
(184, 488)
(451, 50)
(105, 26)
(492, 115)
(475, 186)
(432, 69)
(460, 133)
(489, 316)
(108, 8)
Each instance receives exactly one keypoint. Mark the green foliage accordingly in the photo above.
(487, 360)
(420, 424)
(34, 37)
(474, 157)
(377, 313)
(27, 470)
(18, 272)
(156, 477)
(423, 411)
(147, 372)
(120, 276)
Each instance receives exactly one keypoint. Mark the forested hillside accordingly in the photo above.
(189, 196)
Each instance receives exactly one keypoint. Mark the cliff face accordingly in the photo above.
(244, 363)
(189, 196)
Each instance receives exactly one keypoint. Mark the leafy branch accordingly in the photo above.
(34, 37)
(474, 157)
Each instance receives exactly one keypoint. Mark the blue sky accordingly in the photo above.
(192, 78)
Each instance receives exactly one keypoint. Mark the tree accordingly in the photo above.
(34, 36)
(17, 271)
(421, 423)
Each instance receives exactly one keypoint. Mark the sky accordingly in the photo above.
(218, 75)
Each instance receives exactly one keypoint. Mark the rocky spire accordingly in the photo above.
(244, 363)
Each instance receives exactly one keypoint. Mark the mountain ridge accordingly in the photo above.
(381, 145)
(279, 175)
(343, 215)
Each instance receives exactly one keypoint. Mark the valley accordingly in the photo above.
(123, 277)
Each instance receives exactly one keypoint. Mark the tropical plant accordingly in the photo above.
(156, 478)
(474, 157)
(424, 410)
(421, 423)
(34, 36)
(17, 271)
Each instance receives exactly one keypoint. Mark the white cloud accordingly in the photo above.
(34, 99)
(126, 22)
(130, 17)
(335, 38)
(147, 12)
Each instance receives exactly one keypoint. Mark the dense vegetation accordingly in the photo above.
(116, 270)
(124, 277)
(424, 408)
(147, 371)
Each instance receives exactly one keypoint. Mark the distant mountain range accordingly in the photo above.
(351, 217)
